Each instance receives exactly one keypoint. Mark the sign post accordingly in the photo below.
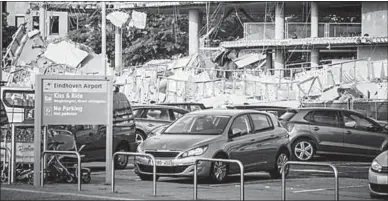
(72, 100)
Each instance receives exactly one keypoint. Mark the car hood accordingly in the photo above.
(382, 158)
(177, 142)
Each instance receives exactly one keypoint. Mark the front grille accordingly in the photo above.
(384, 170)
(163, 169)
(379, 188)
(170, 154)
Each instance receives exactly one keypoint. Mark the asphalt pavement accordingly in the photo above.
(303, 183)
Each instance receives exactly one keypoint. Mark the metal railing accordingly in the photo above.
(219, 160)
(336, 193)
(134, 154)
(9, 162)
(62, 153)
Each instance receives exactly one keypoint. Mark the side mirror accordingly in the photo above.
(235, 132)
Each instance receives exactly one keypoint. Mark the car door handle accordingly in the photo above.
(348, 132)
(316, 128)
(150, 125)
(252, 140)
(272, 136)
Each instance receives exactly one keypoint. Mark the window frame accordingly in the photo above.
(359, 116)
(16, 20)
(312, 119)
(249, 131)
(269, 120)
(51, 20)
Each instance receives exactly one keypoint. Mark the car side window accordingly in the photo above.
(195, 108)
(261, 122)
(159, 114)
(325, 117)
(137, 112)
(176, 114)
(356, 122)
(241, 123)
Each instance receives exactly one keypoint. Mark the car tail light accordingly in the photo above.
(290, 126)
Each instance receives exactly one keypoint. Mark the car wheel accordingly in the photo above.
(147, 177)
(121, 161)
(303, 150)
(140, 137)
(281, 159)
(219, 171)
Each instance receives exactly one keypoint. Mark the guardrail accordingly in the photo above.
(9, 163)
(134, 154)
(336, 194)
(219, 160)
(62, 153)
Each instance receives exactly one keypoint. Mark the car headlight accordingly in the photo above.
(376, 166)
(194, 152)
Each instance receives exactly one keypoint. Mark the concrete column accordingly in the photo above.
(314, 56)
(42, 17)
(268, 60)
(194, 26)
(118, 54)
(279, 35)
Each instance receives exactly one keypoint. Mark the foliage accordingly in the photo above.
(159, 40)
(7, 31)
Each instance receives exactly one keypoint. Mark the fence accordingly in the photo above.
(336, 187)
(266, 30)
(265, 85)
(241, 166)
(134, 154)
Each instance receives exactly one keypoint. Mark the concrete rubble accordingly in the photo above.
(194, 78)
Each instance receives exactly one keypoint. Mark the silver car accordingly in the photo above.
(255, 138)
(378, 176)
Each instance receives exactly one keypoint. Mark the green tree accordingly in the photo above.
(163, 37)
(7, 31)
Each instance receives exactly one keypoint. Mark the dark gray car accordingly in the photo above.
(148, 117)
(333, 131)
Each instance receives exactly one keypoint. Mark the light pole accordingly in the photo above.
(118, 19)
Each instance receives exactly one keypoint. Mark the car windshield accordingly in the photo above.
(196, 124)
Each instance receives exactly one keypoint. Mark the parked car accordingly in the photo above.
(148, 117)
(187, 106)
(333, 131)
(378, 176)
(255, 138)
(276, 110)
(20, 109)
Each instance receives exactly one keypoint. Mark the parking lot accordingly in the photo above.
(303, 183)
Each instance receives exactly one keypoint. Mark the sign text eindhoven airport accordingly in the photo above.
(74, 102)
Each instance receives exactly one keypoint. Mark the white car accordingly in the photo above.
(378, 176)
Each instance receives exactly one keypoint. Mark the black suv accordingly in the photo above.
(333, 131)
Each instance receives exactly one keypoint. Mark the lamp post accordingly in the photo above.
(118, 19)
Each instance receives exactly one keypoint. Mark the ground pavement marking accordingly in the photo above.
(64, 193)
(324, 189)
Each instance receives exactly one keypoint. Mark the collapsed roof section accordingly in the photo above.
(29, 54)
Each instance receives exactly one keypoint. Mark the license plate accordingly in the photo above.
(162, 162)
(382, 179)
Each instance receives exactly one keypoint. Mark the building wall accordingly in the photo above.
(374, 21)
(63, 22)
(20, 9)
(16, 9)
